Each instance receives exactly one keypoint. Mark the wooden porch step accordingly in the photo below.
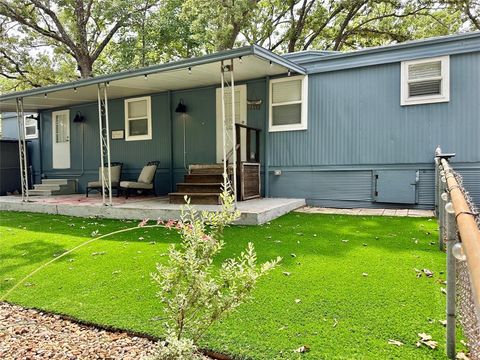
(195, 198)
(213, 169)
(215, 187)
(204, 178)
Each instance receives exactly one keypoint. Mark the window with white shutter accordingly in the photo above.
(425, 81)
(288, 103)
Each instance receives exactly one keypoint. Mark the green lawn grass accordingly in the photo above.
(342, 313)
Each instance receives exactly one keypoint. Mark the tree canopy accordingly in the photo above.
(48, 41)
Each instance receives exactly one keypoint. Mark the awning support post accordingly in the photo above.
(22, 149)
(224, 139)
(104, 135)
(228, 129)
(234, 135)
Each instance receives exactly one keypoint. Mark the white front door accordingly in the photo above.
(240, 118)
(61, 139)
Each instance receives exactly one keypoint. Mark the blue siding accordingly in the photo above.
(356, 123)
(355, 118)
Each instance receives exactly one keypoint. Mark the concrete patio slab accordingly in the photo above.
(377, 212)
(253, 212)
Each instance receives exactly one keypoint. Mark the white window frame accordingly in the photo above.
(31, 136)
(304, 102)
(147, 136)
(426, 99)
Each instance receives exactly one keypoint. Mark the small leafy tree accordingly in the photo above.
(195, 293)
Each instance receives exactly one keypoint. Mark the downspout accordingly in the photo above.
(40, 141)
(266, 132)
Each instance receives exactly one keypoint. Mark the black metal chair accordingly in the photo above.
(145, 181)
(116, 173)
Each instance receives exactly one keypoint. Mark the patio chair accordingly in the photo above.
(115, 172)
(145, 181)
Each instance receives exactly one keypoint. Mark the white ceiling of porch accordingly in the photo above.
(250, 67)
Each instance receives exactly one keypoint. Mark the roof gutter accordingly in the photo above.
(392, 47)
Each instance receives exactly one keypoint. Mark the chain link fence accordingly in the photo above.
(459, 235)
(467, 310)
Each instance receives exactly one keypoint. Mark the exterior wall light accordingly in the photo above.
(181, 107)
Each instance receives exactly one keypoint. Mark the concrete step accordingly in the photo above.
(52, 187)
(195, 198)
(56, 181)
(36, 192)
(204, 178)
(55, 187)
(199, 187)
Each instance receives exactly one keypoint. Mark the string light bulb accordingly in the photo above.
(289, 72)
(443, 179)
(75, 89)
(189, 70)
(45, 95)
(240, 59)
(449, 208)
(145, 77)
(271, 63)
(444, 196)
(458, 253)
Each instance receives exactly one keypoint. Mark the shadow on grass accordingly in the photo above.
(86, 228)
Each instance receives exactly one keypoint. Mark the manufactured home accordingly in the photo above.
(354, 129)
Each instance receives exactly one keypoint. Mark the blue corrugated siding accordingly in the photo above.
(355, 120)
(323, 185)
(426, 187)
(471, 182)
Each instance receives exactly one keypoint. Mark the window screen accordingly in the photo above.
(287, 103)
(425, 79)
(138, 119)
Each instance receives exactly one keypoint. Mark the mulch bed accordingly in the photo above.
(32, 334)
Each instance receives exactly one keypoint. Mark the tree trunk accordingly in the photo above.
(85, 67)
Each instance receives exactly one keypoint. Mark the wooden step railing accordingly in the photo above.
(239, 128)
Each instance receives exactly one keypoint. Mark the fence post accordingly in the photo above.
(440, 207)
(437, 180)
(451, 236)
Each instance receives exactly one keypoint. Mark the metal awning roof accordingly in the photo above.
(250, 62)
